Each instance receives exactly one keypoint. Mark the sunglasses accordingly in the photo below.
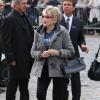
(43, 16)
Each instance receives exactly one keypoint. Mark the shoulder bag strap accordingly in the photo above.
(96, 56)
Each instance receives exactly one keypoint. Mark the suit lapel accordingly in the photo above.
(63, 22)
(30, 26)
(73, 26)
(29, 23)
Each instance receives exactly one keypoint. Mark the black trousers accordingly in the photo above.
(13, 84)
(59, 86)
(76, 86)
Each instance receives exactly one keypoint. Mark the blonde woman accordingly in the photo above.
(51, 45)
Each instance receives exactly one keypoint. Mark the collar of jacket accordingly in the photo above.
(58, 28)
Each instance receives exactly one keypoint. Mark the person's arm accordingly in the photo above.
(35, 53)
(81, 41)
(6, 39)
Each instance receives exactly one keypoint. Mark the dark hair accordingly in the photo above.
(73, 1)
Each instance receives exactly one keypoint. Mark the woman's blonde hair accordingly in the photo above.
(54, 11)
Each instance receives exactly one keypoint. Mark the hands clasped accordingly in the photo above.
(50, 52)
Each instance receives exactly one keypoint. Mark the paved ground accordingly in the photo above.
(90, 89)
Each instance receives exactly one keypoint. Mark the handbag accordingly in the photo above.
(73, 66)
(94, 70)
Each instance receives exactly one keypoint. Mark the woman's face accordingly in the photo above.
(48, 20)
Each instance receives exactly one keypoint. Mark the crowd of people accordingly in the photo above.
(87, 10)
(42, 51)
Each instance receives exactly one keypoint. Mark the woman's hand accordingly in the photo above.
(53, 52)
(50, 52)
(45, 54)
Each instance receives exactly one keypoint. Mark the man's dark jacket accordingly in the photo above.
(76, 33)
(1, 18)
(16, 43)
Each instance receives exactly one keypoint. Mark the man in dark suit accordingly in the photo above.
(1, 17)
(75, 28)
(16, 39)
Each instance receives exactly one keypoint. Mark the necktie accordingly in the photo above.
(67, 23)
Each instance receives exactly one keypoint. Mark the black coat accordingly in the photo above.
(76, 33)
(16, 43)
(1, 18)
(0, 42)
